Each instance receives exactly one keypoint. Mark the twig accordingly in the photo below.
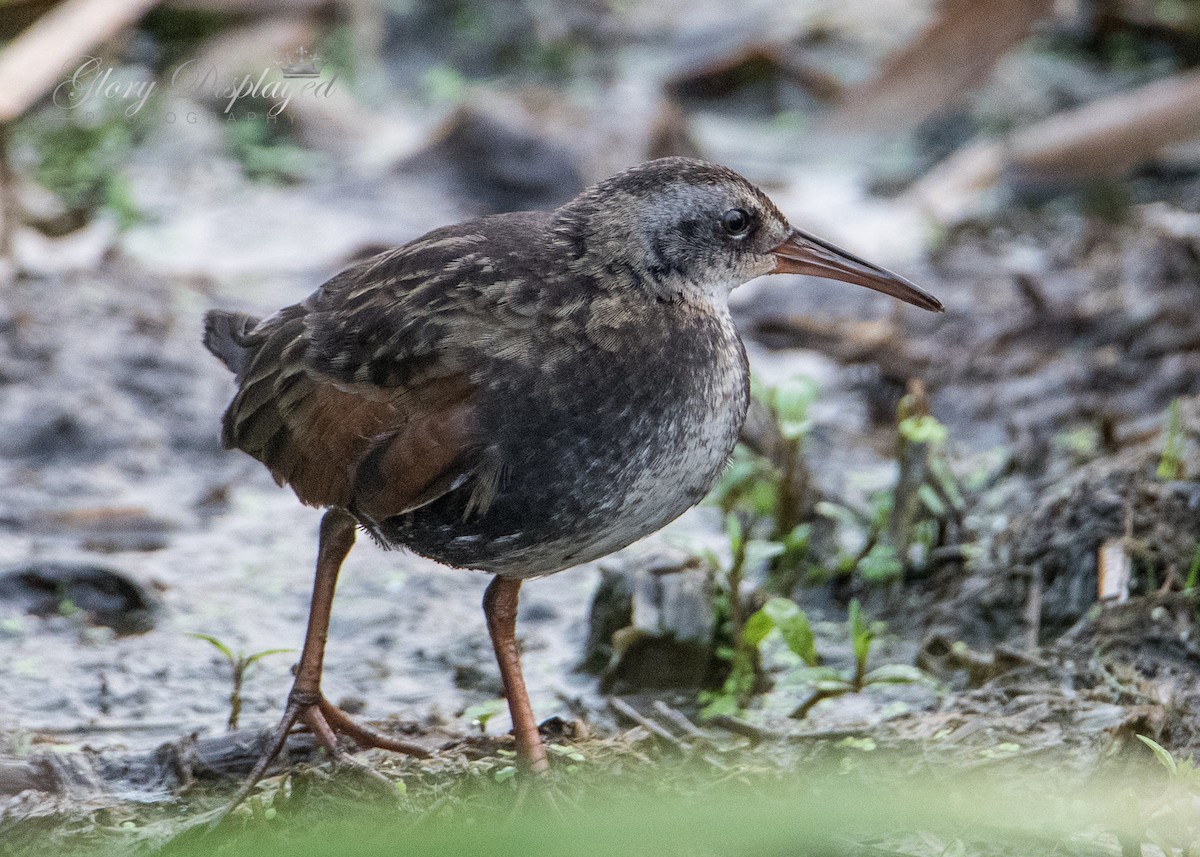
(747, 730)
(759, 735)
(680, 720)
(624, 709)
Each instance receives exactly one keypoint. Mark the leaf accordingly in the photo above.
(860, 634)
(832, 686)
(815, 675)
(781, 609)
(799, 538)
(1001, 751)
(929, 497)
(1170, 463)
(881, 564)
(735, 531)
(720, 705)
(1162, 754)
(794, 429)
(866, 744)
(709, 557)
(759, 552)
(216, 644)
(793, 398)
(482, 712)
(840, 513)
(1193, 576)
(923, 429)
(756, 628)
(946, 481)
(794, 627)
(897, 674)
(258, 656)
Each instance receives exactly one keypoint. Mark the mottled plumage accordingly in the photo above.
(423, 390)
(523, 392)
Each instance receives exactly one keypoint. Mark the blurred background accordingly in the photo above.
(981, 482)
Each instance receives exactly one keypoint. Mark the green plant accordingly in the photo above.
(784, 615)
(1193, 576)
(1174, 824)
(482, 712)
(267, 155)
(763, 481)
(767, 482)
(829, 682)
(80, 163)
(239, 663)
(1170, 463)
(912, 512)
(736, 643)
(743, 674)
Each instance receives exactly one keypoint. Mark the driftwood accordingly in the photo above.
(1109, 136)
(33, 63)
(956, 53)
(1104, 138)
(89, 774)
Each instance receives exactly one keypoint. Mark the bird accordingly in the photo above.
(516, 394)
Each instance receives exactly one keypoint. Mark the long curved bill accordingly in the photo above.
(807, 254)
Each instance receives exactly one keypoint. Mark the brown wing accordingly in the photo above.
(362, 396)
(374, 450)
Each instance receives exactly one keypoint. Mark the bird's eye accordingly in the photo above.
(736, 222)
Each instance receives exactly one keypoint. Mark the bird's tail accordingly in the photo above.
(225, 336)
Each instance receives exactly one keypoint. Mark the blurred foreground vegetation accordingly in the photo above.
(633, 800)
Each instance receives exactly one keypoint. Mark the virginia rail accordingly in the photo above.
(516, 394)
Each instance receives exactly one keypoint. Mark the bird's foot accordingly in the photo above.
(311, 710)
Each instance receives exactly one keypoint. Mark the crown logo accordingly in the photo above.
(301, 65)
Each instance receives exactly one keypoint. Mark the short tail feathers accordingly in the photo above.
(225, 336)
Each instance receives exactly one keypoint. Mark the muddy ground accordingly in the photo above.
(125, 528)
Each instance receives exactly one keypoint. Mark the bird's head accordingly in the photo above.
(683, 228)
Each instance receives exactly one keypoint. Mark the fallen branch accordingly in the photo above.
(952, 56)
(34, 61)
(1104, 138)
(170, 766)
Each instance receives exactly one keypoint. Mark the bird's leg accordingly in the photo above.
(500, 608)
(306, 705)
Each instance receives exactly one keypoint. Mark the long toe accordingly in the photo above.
(367, 736)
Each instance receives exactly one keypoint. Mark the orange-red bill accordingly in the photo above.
(806, 254)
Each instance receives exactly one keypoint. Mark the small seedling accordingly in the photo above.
(792, 624)
(480, 713)
(829, 682)
(1170, 463)
(239, 663)
(1174, 820)
(1193, 576)
(731, 621)
(769, 482)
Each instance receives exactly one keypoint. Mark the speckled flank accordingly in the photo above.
(594, 465)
